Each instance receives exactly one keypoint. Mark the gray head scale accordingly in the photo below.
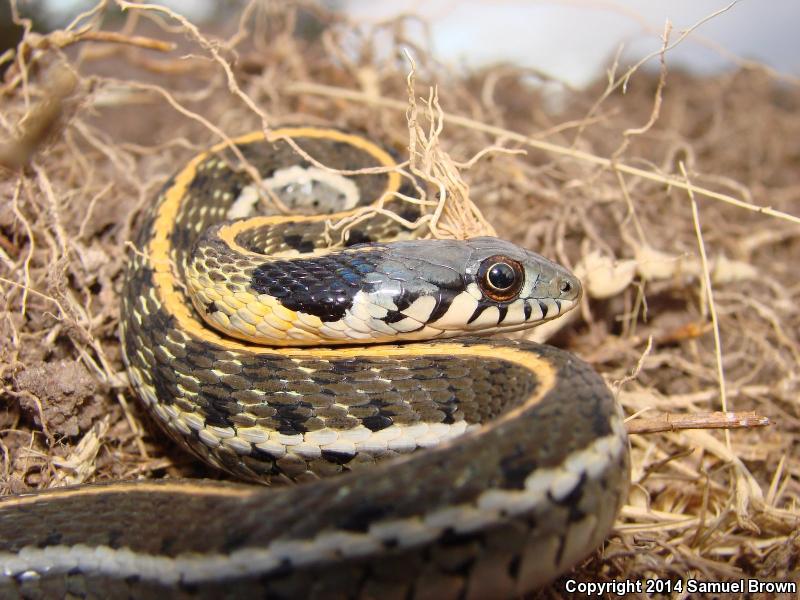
(445, 288)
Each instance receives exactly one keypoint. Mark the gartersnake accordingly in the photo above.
(528, 462)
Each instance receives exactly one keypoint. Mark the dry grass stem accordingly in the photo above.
(716, 420)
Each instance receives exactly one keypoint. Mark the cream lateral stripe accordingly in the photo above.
(493, 505)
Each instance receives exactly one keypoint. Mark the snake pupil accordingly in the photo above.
(501, 276)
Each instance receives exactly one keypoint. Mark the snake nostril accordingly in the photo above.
(565, 286)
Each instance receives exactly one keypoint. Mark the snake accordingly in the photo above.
(421, 458)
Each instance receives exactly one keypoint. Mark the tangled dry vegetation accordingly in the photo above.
(653, 187)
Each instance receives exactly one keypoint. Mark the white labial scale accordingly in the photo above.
(15, 564)
(214, 565)
(441, 429)
(538, 484)
(552, 307)
(607, 445)
(516, 312)
(458, 313)
(421, 309)
(488, 318)
(439, 432)
(474, 291)
(536, 310)
(443, 518)
(108, 559)
(60, 557)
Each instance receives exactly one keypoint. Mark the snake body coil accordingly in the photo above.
(525, 462)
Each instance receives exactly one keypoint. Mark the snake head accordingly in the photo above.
(445, 288)
(380, 292)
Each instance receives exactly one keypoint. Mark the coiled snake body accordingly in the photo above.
(525, 459)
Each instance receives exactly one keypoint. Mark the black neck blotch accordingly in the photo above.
(323, 286)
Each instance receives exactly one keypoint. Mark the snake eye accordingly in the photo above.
(500, 278)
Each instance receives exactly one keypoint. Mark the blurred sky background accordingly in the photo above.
(574, 40)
